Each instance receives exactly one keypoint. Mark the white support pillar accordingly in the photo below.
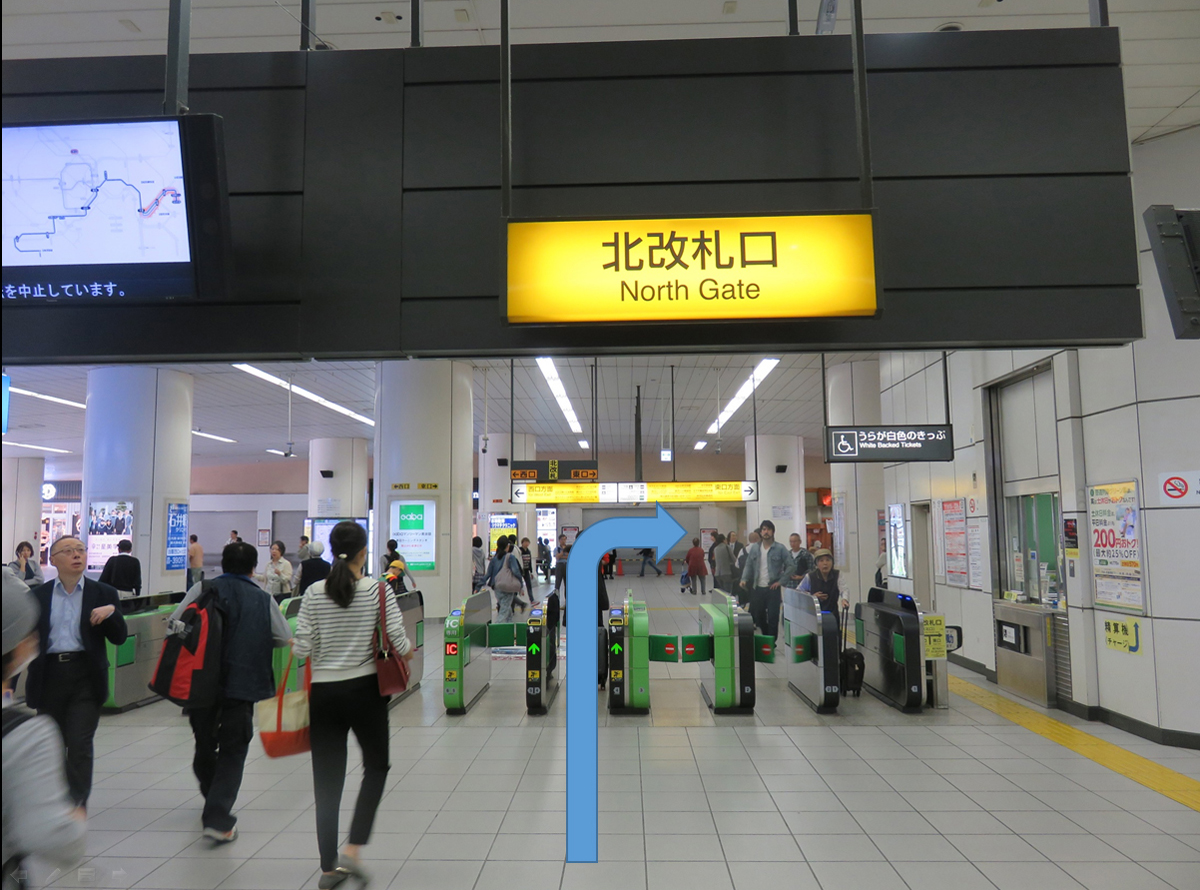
(854, 399)
(137, 459)
(338, 478)
(780, 484)
(22, 513)
(423, 445)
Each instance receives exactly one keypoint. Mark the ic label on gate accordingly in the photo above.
(451, 675)
(617, 675)
(534, 675)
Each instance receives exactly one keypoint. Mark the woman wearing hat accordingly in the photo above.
(826, 584)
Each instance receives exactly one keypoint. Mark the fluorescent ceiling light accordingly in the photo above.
(45, 398)
(560, 392)
(304, 393)
(276, 451)
(583, 443)
(214, 437)
(701, 445)
(38, 447)
(765, 367)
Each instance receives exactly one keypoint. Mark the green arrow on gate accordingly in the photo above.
(616, 648)
(534, 648)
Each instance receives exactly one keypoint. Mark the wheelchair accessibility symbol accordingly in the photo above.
(846, 444)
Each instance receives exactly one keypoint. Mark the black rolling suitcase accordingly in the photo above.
(851, 664)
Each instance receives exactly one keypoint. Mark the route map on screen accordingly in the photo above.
(94, 195)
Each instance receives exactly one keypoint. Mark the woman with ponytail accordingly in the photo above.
(336, 631)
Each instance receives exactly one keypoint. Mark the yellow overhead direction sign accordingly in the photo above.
(692, 269)
(633, 492)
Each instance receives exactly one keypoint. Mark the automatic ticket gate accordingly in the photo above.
(727, 678)
(541, 663)
(813, 646)
(726, 649)
(889, 632)
(467, 658)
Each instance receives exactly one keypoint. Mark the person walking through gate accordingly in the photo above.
(561, 553)
(195, 572)
(336, 630)
(696, 567)
(768, 564)
(254, 626)
(827, 585)
(39, 817)
(123, 571)
(722, 565)
(69, 679)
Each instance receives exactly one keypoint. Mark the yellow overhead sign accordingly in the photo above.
(632, 492)
(720, 268)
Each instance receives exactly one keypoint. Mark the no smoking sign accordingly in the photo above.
(1179, 489)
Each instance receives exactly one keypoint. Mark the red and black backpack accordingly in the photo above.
(189, 669)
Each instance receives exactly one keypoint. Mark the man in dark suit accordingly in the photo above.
(69, 679)
(123, 571)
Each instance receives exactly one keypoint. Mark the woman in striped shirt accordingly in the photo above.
(336, 631)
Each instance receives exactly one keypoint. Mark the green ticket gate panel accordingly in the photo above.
(467, 658)
(131, 665)
(811, 638)
(664, 647)
(891, 643)
(541, 660)
(695, 647)
(727, 679)
(637, 656)
(764, 649)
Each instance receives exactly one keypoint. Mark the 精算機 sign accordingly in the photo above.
(890, 444)
(711, 269)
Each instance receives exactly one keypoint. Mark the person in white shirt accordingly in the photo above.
(276, 576)
(336, 630)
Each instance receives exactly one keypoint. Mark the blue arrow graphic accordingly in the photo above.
(661, 532)
(1137, 642)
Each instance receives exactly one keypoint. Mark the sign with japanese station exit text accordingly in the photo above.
(727, 268)
(633, 492)
(888, 444)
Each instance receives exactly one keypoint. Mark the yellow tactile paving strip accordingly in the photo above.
(1154, 776)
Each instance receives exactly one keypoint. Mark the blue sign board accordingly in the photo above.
(177, 536)
(6, 404)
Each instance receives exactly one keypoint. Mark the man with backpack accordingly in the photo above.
(251, 626)
(39, 816)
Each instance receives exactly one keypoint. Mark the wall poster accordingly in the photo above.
(572, 532)
(177, 537)
(500, 525)
(897, 542)
(109, 522)
(954, 533)
(413, 525)
(977, 568)
(707, 537)
(1114, 520)
(839, 529)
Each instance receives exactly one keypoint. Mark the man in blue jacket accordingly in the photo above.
(254, 626)
(768, 567)
(69, 679)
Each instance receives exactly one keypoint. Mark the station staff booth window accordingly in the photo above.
(1033, 558)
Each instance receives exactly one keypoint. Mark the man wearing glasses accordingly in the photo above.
(69, 678)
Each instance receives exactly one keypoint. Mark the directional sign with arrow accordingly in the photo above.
(534, 648)
(661, 532)
(616, 648)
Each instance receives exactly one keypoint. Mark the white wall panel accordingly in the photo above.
(1111, 442)
(1105, 378)
(1127, 682)
(979, 640)
(1175, 644)
(1169, 536)
(1018, 431)
(1170, 437)
(997, 363)
(1044, 415)
(1084, 683)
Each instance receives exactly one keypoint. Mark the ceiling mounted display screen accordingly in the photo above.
(710, 269)
(123, 210)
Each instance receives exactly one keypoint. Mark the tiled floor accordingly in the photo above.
(956, 799)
